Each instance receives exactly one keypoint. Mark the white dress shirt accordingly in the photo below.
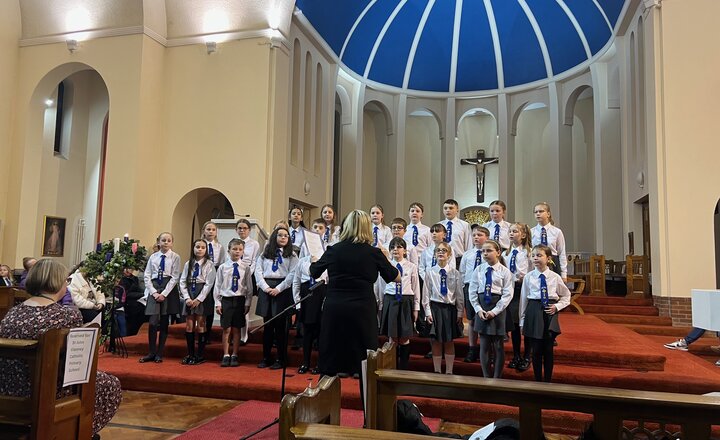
(502, 284)
(206, 275)
(431, 289)
(469, 263)
(461, 238)
(409, 281)
(555, 241)
(223, 281)
(423, 236)
(285, 271)
(302, 275)
(557, 290)
(172, 270)
(218, 255)
(504, 232)
(522, 262)
(250, 253)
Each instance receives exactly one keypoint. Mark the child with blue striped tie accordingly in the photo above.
(498, 227)
(518, 259)
(443, 304)
(196, 284)
(417, 234)
(401, 303)
(547, 234)
(233, 285)
(470, 261)
(162, 274)
(491, 290)
(543, 295)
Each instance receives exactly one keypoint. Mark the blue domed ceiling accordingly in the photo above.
(456, 46)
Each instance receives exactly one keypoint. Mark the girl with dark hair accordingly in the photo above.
(274, 273)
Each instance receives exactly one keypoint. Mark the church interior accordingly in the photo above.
(134, 117)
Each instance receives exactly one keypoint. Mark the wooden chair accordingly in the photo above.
(577, 293)
(638, 285)
(42, 415)
(592, 271)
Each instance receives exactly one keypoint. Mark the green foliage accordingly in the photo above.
(104, 268)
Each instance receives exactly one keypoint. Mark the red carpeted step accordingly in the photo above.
(634, 319)
(665, 331)
(613, 301)
(620, 309)
(586, 341)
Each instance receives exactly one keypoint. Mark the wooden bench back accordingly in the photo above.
(42, 414)
(318, 405)
(609, 407)
(7, 299)
(638, 284)
(593, 270)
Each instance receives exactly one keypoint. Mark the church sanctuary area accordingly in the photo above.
(359, 219)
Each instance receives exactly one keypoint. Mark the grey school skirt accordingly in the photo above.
(200, 309)
(397, 319)
(494, 326)
(269, 306)
(538, 324)
(469, 309)
(445, 326)
(170, 306)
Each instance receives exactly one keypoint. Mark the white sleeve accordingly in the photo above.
(184, 294)
(507, 293)
(473, 290)
(209, 282)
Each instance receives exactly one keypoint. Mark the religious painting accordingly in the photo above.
(53, 244)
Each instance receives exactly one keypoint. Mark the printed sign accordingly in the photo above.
(81, 344)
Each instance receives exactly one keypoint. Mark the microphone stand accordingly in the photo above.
(282, 314)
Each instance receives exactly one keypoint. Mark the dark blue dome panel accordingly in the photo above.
(597, 30)
(385, 67)
(476, 66)
(409, 44)
(431, 66)
(562, 39)
(522, 56)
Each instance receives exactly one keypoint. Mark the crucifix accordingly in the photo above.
(480, 161)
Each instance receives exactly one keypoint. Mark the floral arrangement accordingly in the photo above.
(104, 267)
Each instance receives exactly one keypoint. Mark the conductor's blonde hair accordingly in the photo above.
(356, 227)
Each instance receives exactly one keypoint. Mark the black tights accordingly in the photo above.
(516, 336)
(542, 357)
(275, 332)
(311, 334)
(158, 323)
(496, 344)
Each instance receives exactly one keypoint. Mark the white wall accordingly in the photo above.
(422, 166)
(531, 159)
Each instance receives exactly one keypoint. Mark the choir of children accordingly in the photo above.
(493, 284)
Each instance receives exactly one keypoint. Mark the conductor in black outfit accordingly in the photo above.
(349, 324)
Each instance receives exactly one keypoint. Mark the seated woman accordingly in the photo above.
(46, 282)
(84, 295)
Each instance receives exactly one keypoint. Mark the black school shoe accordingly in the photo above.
(158, 359)
(225, 361)
(523, 365)
(303, 369)
(264, 363)
(276, 366)
(198, 360)
(147, 358)
(188, 360)
(513, 364)
(234, 361)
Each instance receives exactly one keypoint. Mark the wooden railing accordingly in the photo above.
(636, 271)
(609, 407)
(43, 415)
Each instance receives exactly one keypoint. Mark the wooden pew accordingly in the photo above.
(7, 300)
(638, 284)
(42, 415)
(609, 407)
(593, 271)
(314, 414)
(577, 293)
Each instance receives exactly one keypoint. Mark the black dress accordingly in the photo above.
(349, 324)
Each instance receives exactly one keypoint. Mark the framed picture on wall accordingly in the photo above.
(53, 244)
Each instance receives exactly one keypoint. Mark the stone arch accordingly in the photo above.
(345, 104)
(374, 104)
(571, 101)
(195, 208)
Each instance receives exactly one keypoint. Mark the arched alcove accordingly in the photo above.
(580, 111)
(532, 159)
(195, 208)
(66, 135)
(423, 157)
(477, 130)
(377, 179)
